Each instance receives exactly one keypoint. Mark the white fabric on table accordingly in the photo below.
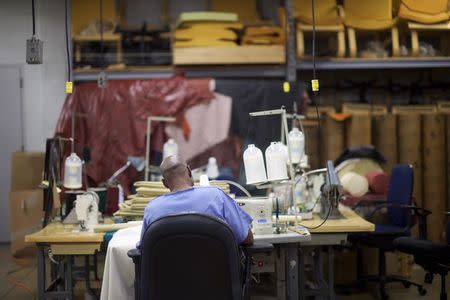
(118, 275)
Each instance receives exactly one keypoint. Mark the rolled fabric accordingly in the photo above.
(354, 184)
(378, 182)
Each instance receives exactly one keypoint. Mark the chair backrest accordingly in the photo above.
(326, 12)
(431, 7)
(368, 14)
(247, 10)
(189, 256)
(86, 11)
(424, 11)
(368, 9)
(400, 192)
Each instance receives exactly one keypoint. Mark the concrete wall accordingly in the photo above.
(43, 85)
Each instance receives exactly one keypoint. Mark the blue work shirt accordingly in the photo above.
(207, 200)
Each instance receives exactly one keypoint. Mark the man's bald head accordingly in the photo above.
(176, 174)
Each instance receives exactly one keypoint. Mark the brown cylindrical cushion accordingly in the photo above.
(378, 182)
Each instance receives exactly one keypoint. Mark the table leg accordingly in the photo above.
(87, 275)
(292, 271)
(318, 268)
(331, 273)
(40, 271)
(301, 271)
(68, 277)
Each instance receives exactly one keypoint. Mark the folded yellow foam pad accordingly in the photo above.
(326, 12)
(204, 43)
(207, 16)
(207, 24)
(424, 11)
(211, 33)
(263, 35)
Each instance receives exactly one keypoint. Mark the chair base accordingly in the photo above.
(384, 280)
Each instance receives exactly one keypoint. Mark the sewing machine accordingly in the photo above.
(260, 209)
(331, 194)
(86, 208)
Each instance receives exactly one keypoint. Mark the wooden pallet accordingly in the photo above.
(414, 109)
(415, 28)
(364, 109)
(112, 38)
(352, 45)
(339, 30)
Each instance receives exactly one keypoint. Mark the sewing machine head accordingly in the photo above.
(331, 194)
(260, 209)
(86, 208)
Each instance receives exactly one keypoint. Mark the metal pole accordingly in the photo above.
(147, 148)
(291, 56)
(149, 133)
(72, 135)
(291, 166)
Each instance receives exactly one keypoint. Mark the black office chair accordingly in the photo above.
(192, 256)
(401, 216)
(434, 258)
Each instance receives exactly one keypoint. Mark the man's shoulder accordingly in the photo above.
(210, 190)
(156, 201)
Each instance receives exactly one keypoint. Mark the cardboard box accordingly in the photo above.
(26, 199)
(26, 218)
(26, 170)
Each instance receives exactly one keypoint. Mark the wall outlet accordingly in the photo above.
(34, 51)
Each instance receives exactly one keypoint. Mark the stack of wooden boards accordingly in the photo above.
(146, 191)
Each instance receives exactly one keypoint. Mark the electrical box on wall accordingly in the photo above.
(34, 51)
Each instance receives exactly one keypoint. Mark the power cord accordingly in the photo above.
(315, 88)
(101, 34)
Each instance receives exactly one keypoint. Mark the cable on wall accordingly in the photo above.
(34, 17)
(69, 85)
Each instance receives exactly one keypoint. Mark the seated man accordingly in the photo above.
(184, 197)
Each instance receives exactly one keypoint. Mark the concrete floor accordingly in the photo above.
(18, 281)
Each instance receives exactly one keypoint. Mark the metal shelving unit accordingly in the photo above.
(288, 71)
(271, 71)
(370, 64)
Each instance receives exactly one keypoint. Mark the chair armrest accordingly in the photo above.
(421, 213)
(367, 202)
(134, 254)
(258, 248)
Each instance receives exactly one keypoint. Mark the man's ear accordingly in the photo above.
(165, 183)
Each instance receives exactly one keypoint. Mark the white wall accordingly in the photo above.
(43, 85)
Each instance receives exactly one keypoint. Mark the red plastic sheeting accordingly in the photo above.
(115, 126)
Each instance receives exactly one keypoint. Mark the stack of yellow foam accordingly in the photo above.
(146, 191)
(263, 35)
(204, 29)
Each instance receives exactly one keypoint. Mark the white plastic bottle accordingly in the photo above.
(72, 172)
(170, 148)
(212, 170)
(297, 144)
(276, 162)
(255, 171)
